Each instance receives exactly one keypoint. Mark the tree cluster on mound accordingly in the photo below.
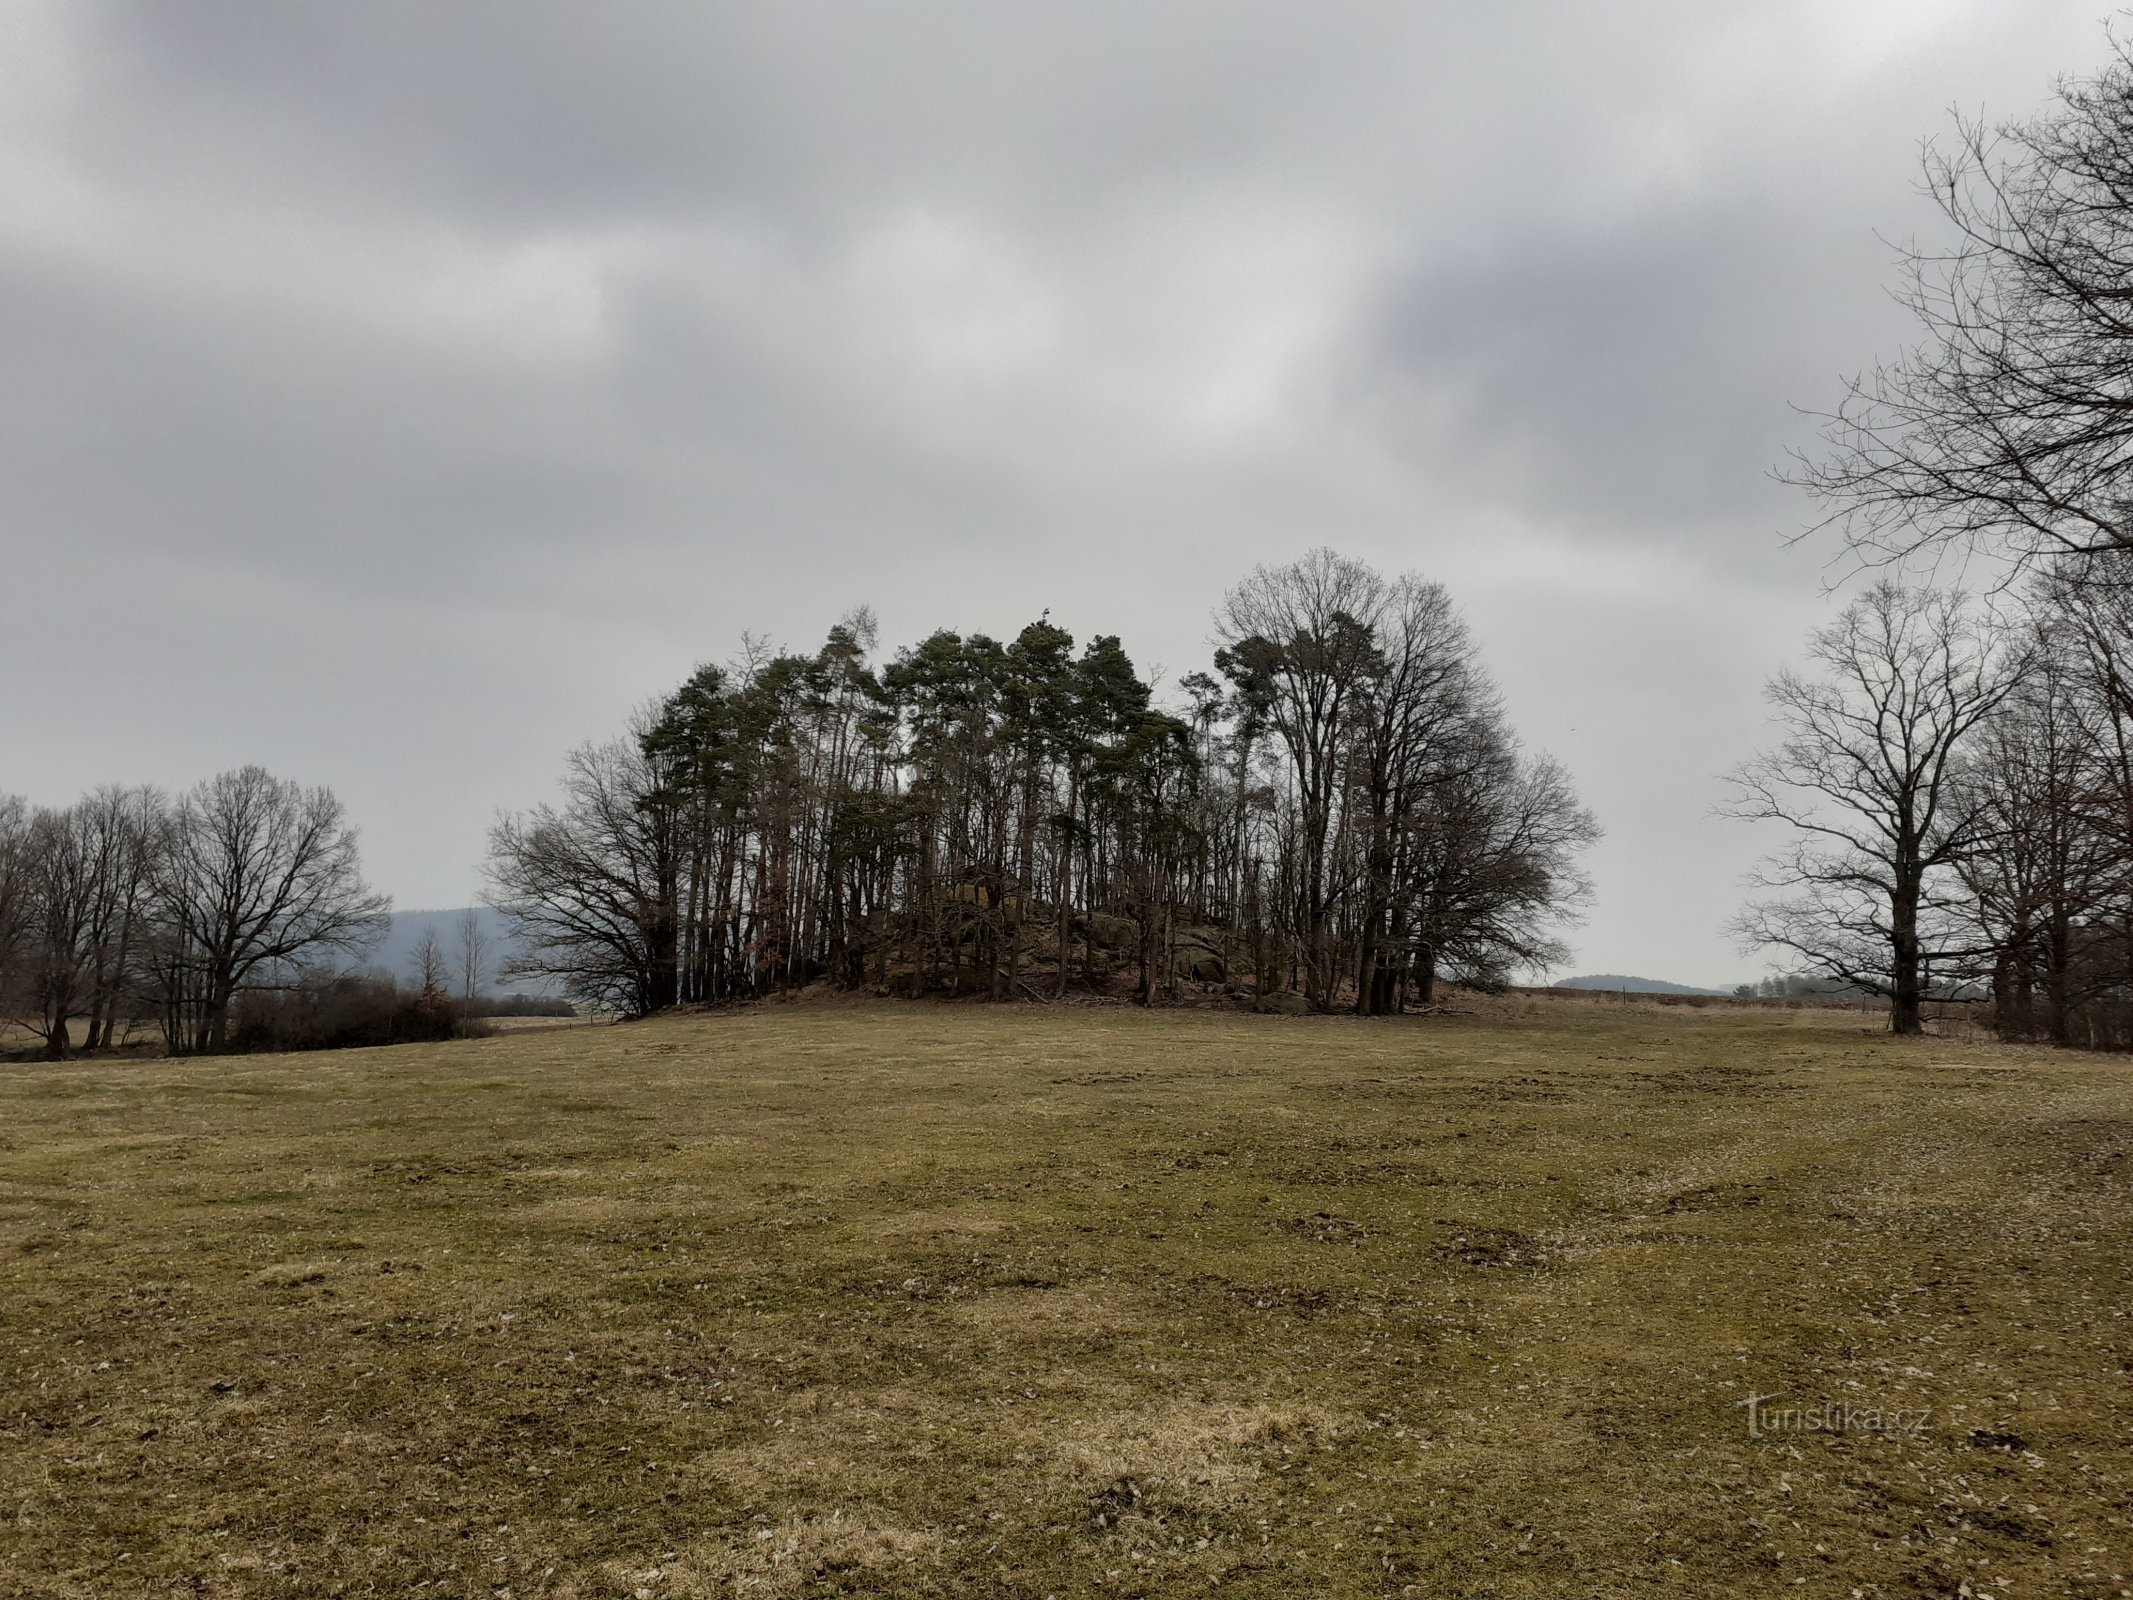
(1338, 813)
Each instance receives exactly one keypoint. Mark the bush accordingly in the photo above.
(522, 1005)
(343, 1012)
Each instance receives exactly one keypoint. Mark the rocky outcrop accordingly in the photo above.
(1283, 1002)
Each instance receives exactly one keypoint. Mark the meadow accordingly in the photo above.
(916, 1299)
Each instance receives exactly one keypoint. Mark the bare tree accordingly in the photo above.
(2046, 867)
(2088, 603)
(1868, 777)
(2052, 885)
(591, 888)
(61, 892)
(125, 828)
(428, 967)
(471, 948)
(85, 873)
(1423, 703)
(14, 899)
(258, 877)
(2007, 424)
(1495, 870)
(1303, 636)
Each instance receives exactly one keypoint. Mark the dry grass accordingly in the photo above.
(912, 1300)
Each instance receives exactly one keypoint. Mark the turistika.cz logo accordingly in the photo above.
(1832, 1416)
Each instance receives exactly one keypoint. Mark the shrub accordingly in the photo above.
(522, 1005)
(349, 1010)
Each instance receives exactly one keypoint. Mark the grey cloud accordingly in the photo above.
(398, 393)
(1637, 379)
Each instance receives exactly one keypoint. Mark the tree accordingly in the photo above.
(429, 967)
(1405, 833)
(1302, 635)
(1346, 802)
(14, 898)
(471, 948)
(2087, 604)
(1144, 784)
(127, 830)
(256, 878)
(1868, 776)
(1423, 709)
(1496, 863)
(60, 893)
(2042, 869)
(83, 874)
(590, 888)
(2051, 886)
(2007, 424)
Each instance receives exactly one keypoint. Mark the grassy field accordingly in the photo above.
(914, 1300)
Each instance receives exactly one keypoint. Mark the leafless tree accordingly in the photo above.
(471, 948)
(428, 967)
(1304, 636)
(1868, 777)
(2052, 885)
(2087, 602)
(2007, 424)
(590, 888)
(61, 892)
(126, 829)
(81, 875)
(14, 899)
(2046, 869)
(258, 877)
(1496, 874)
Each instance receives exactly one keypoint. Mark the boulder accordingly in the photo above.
(1283, 1002)
(1119, 933)
(1202, 966)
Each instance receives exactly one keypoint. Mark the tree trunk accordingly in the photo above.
(1066, 875)
(1905, 1014)
(2058, 955)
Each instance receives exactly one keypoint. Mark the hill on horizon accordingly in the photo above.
(395, 953)
(1620, 983)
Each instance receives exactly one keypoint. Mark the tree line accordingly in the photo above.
(1958, 775)
(132, 906)
(1959, 781)
(1336, 814)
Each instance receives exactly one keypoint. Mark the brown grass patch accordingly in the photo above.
(919, 1300)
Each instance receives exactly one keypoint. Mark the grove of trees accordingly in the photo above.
(130, 906)
(1958, 781)
(1956, 775)
(1338, 813)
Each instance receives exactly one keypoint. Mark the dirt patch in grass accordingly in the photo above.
(837, 1551)
(1473, 1245)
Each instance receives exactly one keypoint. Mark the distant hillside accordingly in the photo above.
(396, 952)
(1616, 983)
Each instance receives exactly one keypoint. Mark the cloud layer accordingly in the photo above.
(398, 393)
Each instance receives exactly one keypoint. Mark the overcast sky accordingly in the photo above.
(396, 394)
